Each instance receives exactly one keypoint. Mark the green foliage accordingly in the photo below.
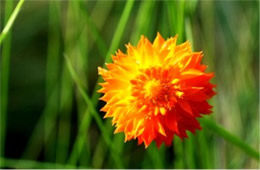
(50, 51)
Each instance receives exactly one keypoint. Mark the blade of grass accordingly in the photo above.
(52, 71)
(115, 42)
(52, 66)
(83, 128)
(82, 61)
(35, 143)
(140, 28)
(204, 151)
(66, 93)
(94, 114)
(80, 139)
(189, 152)
(142, 25)
(101, 149)
(34, 136)
(155, 156)
(143, 21)
(94, 26)
(11, 21)
(93, 29)
(5, 64)
(172, 16)
(176, 16)
(180, 20)
(178, 163)
(28, 164)
(80, 51)
(230, 138)
(84, 125)
(102, 47)
(119, 30)
(164, 18)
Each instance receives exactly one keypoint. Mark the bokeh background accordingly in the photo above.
(45, 120)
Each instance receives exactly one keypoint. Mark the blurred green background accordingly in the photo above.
(48, 121)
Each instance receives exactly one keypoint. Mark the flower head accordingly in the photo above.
(156, 90)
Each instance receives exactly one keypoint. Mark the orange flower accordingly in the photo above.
(156, 91)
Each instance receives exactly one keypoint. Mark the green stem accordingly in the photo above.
(52, 72)
(120, 29)
(4, 77)
(11, 21)
(114, 44)
(230, 138)
(180, 19)
(179, 153)
(156, 158)
(94, 113)
(143, 16)
(116, 40)
(189, 152)
(204, 151)
(94, 98)
(102, 47)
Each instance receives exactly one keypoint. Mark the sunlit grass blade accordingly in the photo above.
(230, 138)
(4, 79)
(11, 21)
(86, 120)
(171, 16)
(176, 15)
(94, 114)
(180, 19)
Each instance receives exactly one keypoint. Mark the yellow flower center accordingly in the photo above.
(156, 90)
(152, 88)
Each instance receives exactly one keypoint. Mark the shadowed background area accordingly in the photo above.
(46, 121)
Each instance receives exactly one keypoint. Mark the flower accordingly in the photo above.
(156, 90)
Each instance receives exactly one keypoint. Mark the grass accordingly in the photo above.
(58, 121)
(11, 20)
(231, 138)
(5, 53)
